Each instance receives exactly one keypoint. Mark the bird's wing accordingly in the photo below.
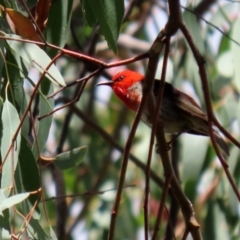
(189, 105)
(182, 100)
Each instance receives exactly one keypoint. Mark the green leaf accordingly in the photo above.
(16, 78)
(11, 201)
(4, 220)
(1, 56)
(109, 14)
(29, 170)
(236, 53)
(224, 64)
(193, 26)
(58, 23)
(210, 221)
(5, 234)
(192, 162)
(52, 234)
(190, 189)
(38, 230)
(70, 159)
(10, 121)
(88, 14)
(45, 106)
(35, 56)
(114, 14)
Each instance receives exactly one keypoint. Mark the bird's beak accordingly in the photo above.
(105, 83)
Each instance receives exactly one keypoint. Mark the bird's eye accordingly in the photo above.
(120, 78)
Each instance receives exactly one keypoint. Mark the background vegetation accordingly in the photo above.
(60, 171)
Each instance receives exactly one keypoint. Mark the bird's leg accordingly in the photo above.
(169, 143)
(168, 148)
(149, 119)
(173, 139)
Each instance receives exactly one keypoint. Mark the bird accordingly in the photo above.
(180, 112)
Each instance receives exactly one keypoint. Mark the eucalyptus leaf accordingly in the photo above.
(29, 170)
(236, 53)
(10, 122)
(4, 218)
(11, 201)
(193, 26)
(109, 15)
(52, 234)
(70, 159)
(35, 56)
(39, 233)
(45, 107)
(58, 24)
(192, 162)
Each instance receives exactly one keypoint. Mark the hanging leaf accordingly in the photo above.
(43, 128)
(58, 24)
(70, 159)
(109, 15)
(4, 220)
(10, 122)
(29, 170)
(38, 230)
(34, 55)
(235, 49)
(11, 201)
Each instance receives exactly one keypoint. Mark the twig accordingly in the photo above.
(161, 207)
(85, 193)
(159, 103)
(202, 71)
(27, 109)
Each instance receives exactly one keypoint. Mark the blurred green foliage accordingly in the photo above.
(87, 137)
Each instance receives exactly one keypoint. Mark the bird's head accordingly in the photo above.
(127, 85)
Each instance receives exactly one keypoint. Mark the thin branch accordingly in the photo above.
(225, 132)
(108, 138)
(32, 18)
(203, 6)
(161, 207)
(202, 71)
(212, 25)
(28, 108)
(174, 206)
(159, 103)
(85, 193)
(175, 20)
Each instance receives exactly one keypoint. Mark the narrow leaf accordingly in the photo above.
(11, 201)
(114, 13)
(29, 170)
(10, 121)
(4, 220)
(16, 88)
(109, 14)
(191, 143)
(38, 230)
(34, 55)
(193, 26)
(52, 234)
(236, 53)
(70, 159)
(58, 27)
(45, 106)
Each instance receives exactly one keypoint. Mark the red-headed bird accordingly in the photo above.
(180, 113)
